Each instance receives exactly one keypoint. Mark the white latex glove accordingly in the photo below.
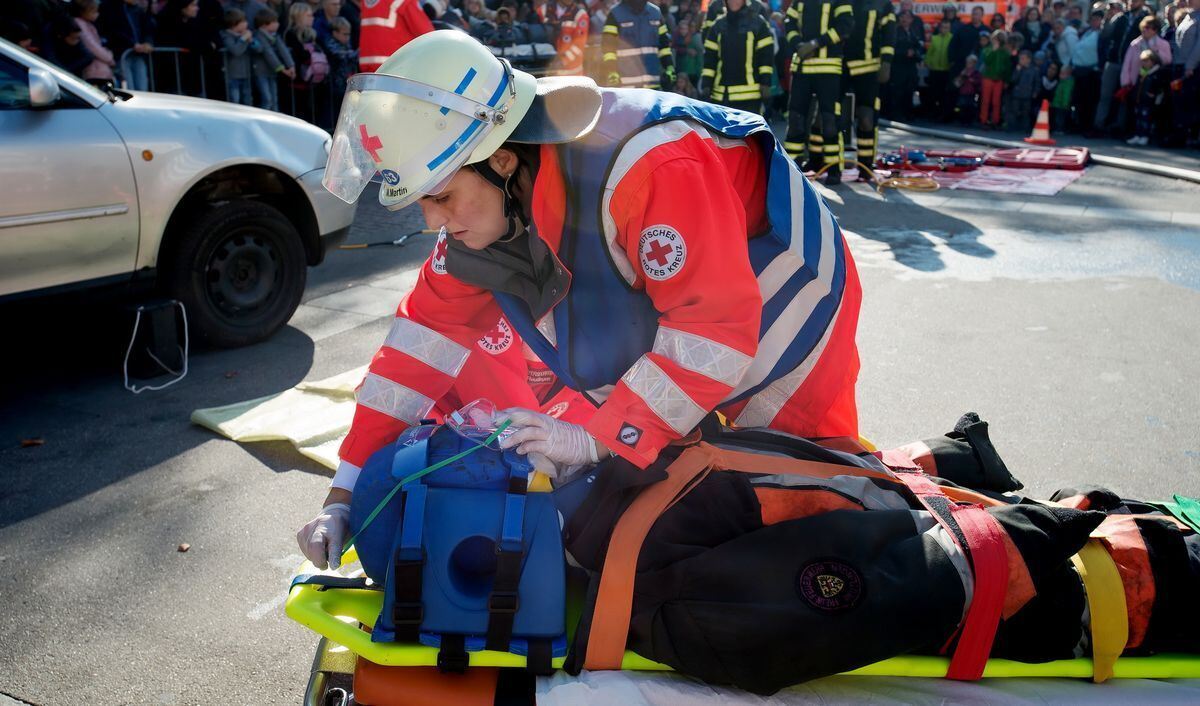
(566, 446)
(322, 538)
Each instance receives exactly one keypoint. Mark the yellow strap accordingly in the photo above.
(611, 29)
(1106, 603)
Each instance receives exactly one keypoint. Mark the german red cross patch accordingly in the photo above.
(662, 252)
(498, 339)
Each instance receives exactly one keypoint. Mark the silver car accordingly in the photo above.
(217, 205)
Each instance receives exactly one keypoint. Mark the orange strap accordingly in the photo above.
(614, 599)
(745, 462)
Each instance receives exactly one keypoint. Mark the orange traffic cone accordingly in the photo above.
(1041, 129)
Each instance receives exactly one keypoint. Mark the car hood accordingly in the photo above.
(212, 129)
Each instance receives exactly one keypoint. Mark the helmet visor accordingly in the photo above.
(439, 131)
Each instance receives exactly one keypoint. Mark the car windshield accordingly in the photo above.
(74, 84)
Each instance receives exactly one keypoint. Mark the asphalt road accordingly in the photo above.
(1073, 332)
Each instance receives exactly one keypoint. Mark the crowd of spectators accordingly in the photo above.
(1106, 70)
(289, 55)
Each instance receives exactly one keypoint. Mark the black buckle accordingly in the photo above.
(503, 602)
(408, 613)
(454, 662)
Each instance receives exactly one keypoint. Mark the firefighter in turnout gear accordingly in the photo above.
(816, 32)
(637, 47)
(569, 20)
(717, 8)
(868, 57)
(739, 55)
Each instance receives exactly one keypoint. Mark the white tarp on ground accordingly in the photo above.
(659, 689)
(313, 416)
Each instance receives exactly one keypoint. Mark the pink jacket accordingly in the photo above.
(102, 67)
(1133, 61)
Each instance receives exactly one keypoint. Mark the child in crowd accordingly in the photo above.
(1025, 83)
(1049, 85)
(343, 59)
(968, 84)
(69, 51)
(985, 41)
(1148, 97)
(86, 12)
(997, 69)
(312, 66)
(272, 59)
(1060, 103)
(685, 87)
(239, 46)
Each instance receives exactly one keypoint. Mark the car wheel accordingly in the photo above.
(240, 270)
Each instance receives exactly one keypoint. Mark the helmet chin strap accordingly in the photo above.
(514, 212)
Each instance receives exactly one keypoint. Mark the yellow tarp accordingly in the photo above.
(313, 416)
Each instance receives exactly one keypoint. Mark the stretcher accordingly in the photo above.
(342, 617)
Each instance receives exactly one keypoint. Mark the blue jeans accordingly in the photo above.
(237, 90)
(135, 70)
(268, 92)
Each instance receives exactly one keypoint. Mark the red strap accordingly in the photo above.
(985, 537)
(989, 564)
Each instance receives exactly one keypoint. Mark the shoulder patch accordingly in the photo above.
(498, 339)
(437, 261)
(662, 252)
(830, 585)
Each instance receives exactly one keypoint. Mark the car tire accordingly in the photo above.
(239, 268)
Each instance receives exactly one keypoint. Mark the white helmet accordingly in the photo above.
(416, 133)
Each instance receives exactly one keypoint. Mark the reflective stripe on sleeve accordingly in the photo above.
(427, 346)
(764, 42)
(665, 398)
(393, 399)
(701, 355)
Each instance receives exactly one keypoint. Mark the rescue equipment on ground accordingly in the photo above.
(932, 160)
(1074, 158)
(886, 560)
(158, 345)
(467, 559)
(1041, 129)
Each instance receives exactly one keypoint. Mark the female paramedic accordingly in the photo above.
(662, 256)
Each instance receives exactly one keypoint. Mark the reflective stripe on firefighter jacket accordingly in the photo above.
(637, 46)
(830, 23)
(571, 24)
(671, 308)
(739, 55)
(874, 37)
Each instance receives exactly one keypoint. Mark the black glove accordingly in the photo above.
(885, 72)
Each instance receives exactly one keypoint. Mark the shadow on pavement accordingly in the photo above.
(908, 229)
(62, 386)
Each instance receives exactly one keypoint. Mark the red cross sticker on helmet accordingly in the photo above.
(371, 143)
(440, 102)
